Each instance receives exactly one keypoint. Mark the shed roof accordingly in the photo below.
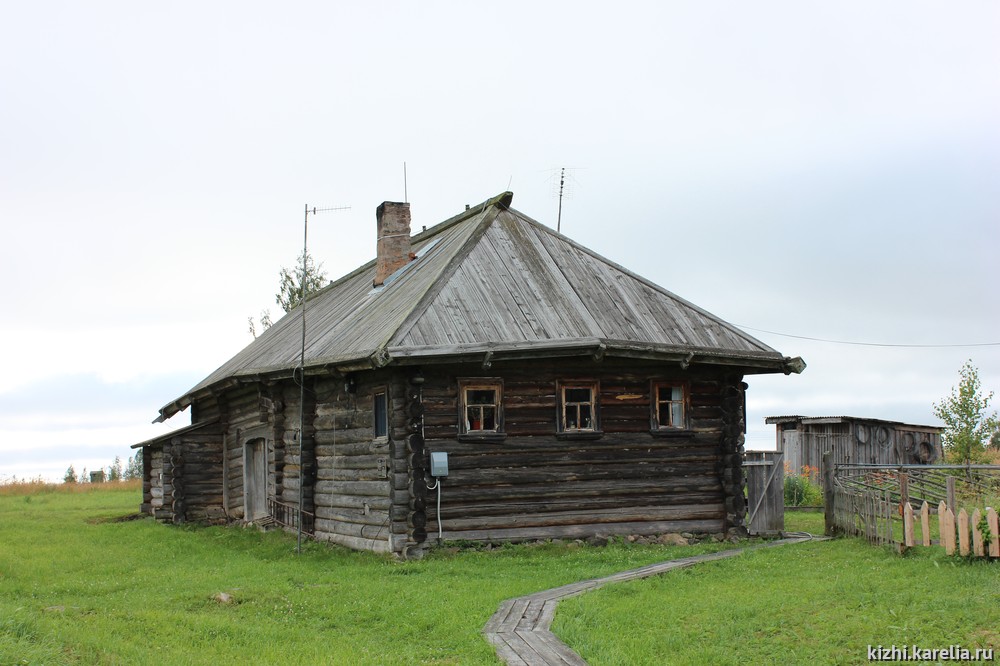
(492, 281)
(823, 420)
(160, 440)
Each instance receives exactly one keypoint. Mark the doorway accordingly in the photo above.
(255, 480)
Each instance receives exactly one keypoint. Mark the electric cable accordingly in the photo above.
(869, 344)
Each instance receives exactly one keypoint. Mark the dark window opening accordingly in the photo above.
(381, 415)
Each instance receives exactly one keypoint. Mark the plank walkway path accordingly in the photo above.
(519, 630)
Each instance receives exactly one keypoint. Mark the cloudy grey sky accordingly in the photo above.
(826, 170)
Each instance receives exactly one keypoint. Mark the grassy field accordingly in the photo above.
(79, 586)
(818, 603)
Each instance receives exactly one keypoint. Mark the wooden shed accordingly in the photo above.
(572, 398)
(854, 440)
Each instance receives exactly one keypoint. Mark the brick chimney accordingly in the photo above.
(393, 221)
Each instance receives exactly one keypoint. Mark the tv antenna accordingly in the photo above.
(565, 188)
(302, 362)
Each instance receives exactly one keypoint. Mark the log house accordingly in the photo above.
(573, 398)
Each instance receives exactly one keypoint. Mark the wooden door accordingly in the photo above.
(765, 491)
(255, 480)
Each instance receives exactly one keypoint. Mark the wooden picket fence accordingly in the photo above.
(960, 533)
(874, 501)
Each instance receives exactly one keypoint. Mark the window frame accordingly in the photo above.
(594, 387)
(383, 391)
(655, 424)
(465, 386)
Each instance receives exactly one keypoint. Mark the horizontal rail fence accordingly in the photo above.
(885, 504)
(928, 483)
(287, 515)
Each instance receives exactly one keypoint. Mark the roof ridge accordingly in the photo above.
(502, 200)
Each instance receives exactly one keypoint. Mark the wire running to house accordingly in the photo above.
(437, 484)
(869, 344)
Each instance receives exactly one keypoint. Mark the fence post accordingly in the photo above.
(946, 528)
(925, 523)
(977, 536)
(908, 540)
(828, 494)
(950, 483)
(991, 518)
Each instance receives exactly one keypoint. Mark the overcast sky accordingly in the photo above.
(827, 170)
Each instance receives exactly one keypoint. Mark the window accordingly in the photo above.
(578, 407)
(381, 411)
(668, 407)
(481, 406)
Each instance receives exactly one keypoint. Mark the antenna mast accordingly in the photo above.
(562, 181)
(302, 364)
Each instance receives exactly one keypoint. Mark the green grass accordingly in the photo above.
(77, 587)
(819, 602)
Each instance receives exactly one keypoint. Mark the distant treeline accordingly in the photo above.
(132, 469)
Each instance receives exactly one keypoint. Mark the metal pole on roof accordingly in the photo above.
(562, 181)
(302, 371)
(302, 384)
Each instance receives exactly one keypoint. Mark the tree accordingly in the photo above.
(70, 475)
(265, 322)
(968, 425)
(133, 468)
(83, 476)
(290, 290)
(115, 471)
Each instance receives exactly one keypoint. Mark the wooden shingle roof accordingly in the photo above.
(492, 282)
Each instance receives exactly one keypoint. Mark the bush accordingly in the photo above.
(800, 490)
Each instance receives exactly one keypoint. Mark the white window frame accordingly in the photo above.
(594, 403)
(467, 385)
(671, 404)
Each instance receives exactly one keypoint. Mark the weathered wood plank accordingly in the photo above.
(963, 533)
(946, 528)
(577, 503)
(925, 524)
(591, 517)
(994, 524)
(585, 530)
(977, 535)
(908, 539)
(363, 488)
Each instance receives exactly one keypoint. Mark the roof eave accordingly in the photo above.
(750, 362)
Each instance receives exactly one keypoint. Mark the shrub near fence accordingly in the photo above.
(887, 504)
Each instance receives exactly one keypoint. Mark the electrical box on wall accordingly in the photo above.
(439, 463)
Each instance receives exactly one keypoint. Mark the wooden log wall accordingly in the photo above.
(202, 474)
(147, 481)
(354, 471)
(298, 449)
(155, 457)
(731, 469)
(533, 484)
